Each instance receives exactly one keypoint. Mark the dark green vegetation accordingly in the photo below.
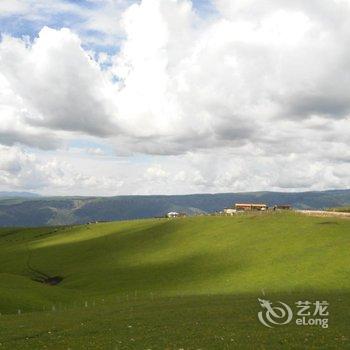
(188, 283)
(44, 211)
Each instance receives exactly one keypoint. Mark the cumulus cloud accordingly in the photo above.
(97, 22)
(13, 128)
(20, 169)
(61, 85)
(263, 85)
(240, 172)
(180, 83)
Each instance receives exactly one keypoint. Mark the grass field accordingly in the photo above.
(341, 209)
(189, 283)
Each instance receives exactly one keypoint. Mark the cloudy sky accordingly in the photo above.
(108, 97)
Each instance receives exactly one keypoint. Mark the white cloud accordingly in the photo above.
(13, 128)
(11, 7)
(62, 86)
(256, 97)
(20, 169)
(156, 172)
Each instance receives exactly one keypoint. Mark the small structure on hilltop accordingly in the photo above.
(229, 211)
(174, 214)
(250, 206)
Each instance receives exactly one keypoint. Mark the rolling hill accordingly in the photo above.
(190, 283)
(46, 211)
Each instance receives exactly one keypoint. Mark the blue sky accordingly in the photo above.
(24, 24)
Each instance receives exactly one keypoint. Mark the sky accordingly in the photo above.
(115, 97)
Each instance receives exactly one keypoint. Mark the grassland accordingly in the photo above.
(188, 283)
(341, 209)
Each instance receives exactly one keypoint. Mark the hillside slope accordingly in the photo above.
(79, 210)
(190, 283)
(188, 256)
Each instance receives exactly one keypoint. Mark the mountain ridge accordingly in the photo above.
(18, 194)
(55, 210)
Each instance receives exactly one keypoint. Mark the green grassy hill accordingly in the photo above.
(340, 209)
(188, 283)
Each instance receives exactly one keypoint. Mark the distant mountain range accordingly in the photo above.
(33, 210)
(7, 194)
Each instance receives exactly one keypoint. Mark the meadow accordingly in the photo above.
(187, 283)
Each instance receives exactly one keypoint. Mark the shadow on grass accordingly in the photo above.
(105, 257)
